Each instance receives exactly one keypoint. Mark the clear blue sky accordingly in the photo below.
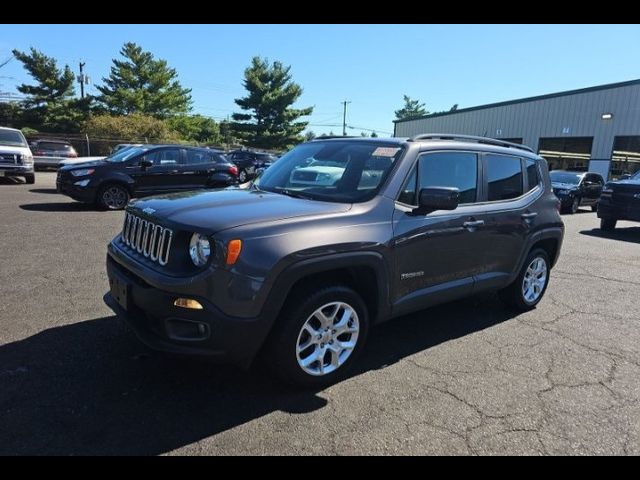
(370, 65)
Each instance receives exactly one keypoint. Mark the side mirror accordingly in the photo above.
(437, 198)
(144, 163)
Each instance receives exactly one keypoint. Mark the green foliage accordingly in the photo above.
(310, 135)
(50, 103)
(269, 120)
(374, 135)
(196, 128)
(135, 128)
(142, 84)
(411, 109)
(454, 108)
(10, 114)
(29, 132)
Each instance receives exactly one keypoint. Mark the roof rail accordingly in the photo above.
(329, 137)
(469, 138)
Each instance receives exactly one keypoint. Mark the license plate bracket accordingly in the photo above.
(120, 291)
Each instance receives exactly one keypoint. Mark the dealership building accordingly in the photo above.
(595, 129)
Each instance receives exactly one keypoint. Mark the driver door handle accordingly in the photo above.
(529, 216)
(473, 224)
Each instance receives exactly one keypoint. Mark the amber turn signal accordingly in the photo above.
(233, 251)
(188, 303)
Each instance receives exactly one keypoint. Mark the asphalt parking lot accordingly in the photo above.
(463, 378)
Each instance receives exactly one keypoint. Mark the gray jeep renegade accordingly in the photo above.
(335, 237)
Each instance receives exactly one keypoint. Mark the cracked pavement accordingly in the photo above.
(463, 378)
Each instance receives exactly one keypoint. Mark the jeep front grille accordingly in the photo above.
(147, 238)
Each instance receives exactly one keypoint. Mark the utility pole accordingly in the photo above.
(81, 79)
(344, 118)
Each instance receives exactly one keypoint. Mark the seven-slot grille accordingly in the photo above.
(9, 158)
(147, 238)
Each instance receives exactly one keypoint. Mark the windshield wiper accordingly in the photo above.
(293, 193)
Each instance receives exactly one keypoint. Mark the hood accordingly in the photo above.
(94, 163)
(628, 181)
(564, 186)
(216, 210)
(76, 161)
(10, 149)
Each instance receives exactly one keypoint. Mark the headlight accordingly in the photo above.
(199, 249)
(83, 172)
(27, 159)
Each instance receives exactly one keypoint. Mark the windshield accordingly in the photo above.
(334, 171)
(12, 138)
(565, 177)
(125, 154)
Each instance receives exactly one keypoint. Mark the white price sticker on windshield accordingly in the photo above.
(385, 152)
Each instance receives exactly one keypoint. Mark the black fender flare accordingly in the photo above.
(553, 233)
(288, 277)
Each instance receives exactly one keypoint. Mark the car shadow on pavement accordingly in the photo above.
(43, 190)
(90, 388)
(629, 234)
(58, 207)
(11, 181)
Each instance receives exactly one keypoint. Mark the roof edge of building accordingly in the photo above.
(566, 93)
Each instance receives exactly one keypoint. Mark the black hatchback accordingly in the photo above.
(145, 170)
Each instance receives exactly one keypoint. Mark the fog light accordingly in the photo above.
(82, 183)
(188, 303)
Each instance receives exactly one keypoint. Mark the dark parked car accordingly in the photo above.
(49, 153)
(620, 200)
(145, 170)
(300, 272)
(249, 161)
(15, 157)
(577, 189)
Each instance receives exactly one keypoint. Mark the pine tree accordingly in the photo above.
(411, 109)
(140, 83)
(270, 121)
(50, 103)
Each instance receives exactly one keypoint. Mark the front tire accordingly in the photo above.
(608, 224)
(575, 205)
(30, 179)
(318, 337)
(529, 287)
(113, 197)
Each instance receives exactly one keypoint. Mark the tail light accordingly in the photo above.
(233, 170)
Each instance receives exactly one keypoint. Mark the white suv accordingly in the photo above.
(16, 159)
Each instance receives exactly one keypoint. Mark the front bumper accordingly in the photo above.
(607, 209)
(16, 170)
(65, 186)
(159, 324)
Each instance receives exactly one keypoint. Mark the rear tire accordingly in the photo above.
(30, 179)
(529, 287)
(608, 224)
(594, 207)
(286, 359)
(243, 176)
(113, 196)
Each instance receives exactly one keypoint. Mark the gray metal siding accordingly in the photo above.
(581, 112)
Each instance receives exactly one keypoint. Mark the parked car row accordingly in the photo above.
(138, 171)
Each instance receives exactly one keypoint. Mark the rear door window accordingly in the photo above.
(533, 175)
(504, 177)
